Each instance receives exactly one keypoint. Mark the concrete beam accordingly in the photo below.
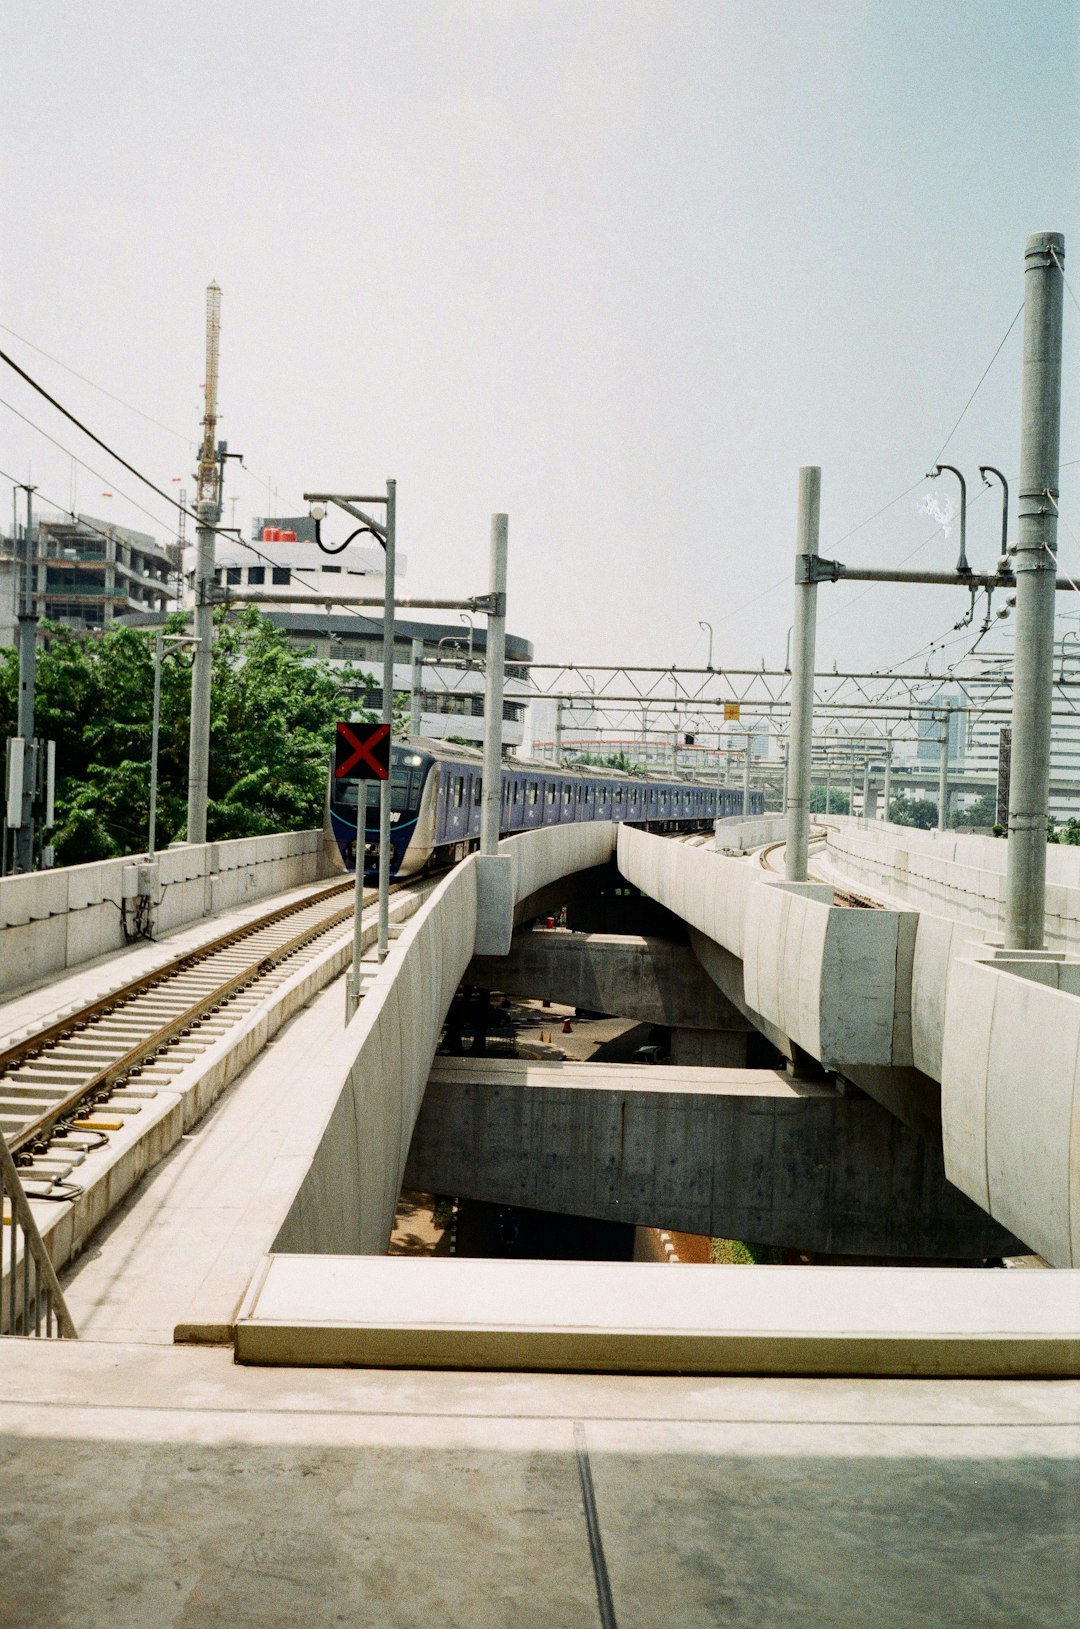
(627, 976)
(739, 1153)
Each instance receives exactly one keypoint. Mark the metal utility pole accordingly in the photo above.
(801, 732)
(1036, 576)
(414, 688)
(851, 785)
(389, 543)
(746, 778)
(208, 509)
(943, 774)
(866, 790)
(888, 779)
(558, 733)
(159, 637)
(24, 833)
(494, 679)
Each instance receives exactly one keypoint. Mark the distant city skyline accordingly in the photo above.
(617, 270)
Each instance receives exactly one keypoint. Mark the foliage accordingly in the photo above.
(921, 812)
(734, 1253)
(982, 813)
(1070, 833)
(838, 801)
(613, 760)
(271, 733)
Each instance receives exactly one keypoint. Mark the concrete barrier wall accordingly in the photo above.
(346, 1199)
(1010, 1098)
(50, 920)
(736, 835)
(706, 889)
(542, 857)
(954, 873)
(835, 981)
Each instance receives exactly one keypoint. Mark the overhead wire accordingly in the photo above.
(978, 387)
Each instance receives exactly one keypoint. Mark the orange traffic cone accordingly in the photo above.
(567, 1028)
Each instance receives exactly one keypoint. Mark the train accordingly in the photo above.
(435, 804)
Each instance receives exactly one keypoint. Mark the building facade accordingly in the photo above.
(87, 574)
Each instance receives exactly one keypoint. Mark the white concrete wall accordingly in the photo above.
(736, 834)
(836, 981)
(50, 920)
(346, 1198)
(347, 1195)
(954, 873)
(1010, 1098)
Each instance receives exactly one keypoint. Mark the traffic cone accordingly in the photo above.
(567, 1027)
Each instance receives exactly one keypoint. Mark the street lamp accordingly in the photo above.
(384, 531)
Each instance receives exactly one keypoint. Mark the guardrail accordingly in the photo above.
(31, 1300)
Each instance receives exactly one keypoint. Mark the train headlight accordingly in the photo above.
(412, 759)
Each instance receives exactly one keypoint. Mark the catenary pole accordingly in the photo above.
(414, 686)
(201, 673)
(155, 730)
(943, 775)
(1036, 574)
(24, 836)
(804, 636)
(746, 778)
(388, 719)
(494, 680)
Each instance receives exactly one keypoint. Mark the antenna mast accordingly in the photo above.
(208, 477)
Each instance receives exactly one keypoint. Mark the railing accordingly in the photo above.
(31, 1300)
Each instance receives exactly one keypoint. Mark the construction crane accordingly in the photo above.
(208, 476)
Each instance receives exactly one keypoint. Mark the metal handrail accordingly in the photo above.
(30, 1293)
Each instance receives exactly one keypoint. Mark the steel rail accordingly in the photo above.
(41, 1127)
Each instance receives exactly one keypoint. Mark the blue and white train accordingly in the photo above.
(435, 804)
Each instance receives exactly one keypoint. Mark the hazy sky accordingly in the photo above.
(616, 267)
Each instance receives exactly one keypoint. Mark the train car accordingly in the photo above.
(435, 793)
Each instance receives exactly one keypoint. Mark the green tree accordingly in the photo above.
(983, 812)
(838, 801)
(271, 734)
(905, 811)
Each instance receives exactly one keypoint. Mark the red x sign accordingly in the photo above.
(362, 752)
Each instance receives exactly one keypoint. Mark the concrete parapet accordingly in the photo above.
(953, 873)
(706, 889)
(652, 980)
(741, 1153)
(1010, 1096)
(54, 919)
(642, 1316)
(736, 835)
(544, 856)
(836, 981)
(346, 1198)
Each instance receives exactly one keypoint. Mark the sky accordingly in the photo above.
(615, 267)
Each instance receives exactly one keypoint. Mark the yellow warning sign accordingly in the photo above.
(731, 710)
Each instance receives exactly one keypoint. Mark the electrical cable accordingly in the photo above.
(179, 434)
(978, 387)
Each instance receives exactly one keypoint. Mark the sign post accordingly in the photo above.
(362, 754)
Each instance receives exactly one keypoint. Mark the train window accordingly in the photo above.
(533, 791)
(551, 792)
(567, 794)
(404, 789)
(459, 791)
(477, 789)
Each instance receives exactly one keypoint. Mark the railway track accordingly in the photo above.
(841, 896)
(65, 1087)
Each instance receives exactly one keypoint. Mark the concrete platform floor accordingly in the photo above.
(183, 1245)
(148, 1487)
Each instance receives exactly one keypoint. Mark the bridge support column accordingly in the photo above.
(709, 1048)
